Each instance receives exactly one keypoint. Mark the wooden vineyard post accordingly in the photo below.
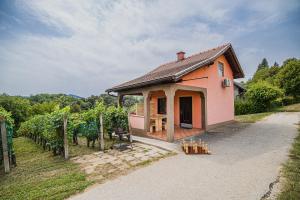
(101, 133)
(4, 146)
(66, 145)
(129, 130)
(129, 125)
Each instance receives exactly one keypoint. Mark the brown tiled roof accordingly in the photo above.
(173, 71)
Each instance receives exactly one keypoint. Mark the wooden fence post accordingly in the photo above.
(66, 145)
(129, 125)
(4, 146)
(101, 136)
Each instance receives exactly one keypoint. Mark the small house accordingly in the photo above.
(186, 96)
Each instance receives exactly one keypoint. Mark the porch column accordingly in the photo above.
(120, 100)
(170, 93)
(146, 110)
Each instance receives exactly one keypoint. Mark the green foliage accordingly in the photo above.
(243, 106)
(288, 100)
(261, 74)
(262, 94)
(130, 101)
(91, 122)
(108, 100)
(41, 98)
(265, 74)
(263, 64)
(19, 108)
(6, 116)
(46, 129)
(43, 108)
(75, 108)
(115, 117)
(289, 77)
(289, 60)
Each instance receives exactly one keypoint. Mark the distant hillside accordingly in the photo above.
(75, 96)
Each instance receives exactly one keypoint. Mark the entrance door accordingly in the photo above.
(186, 112)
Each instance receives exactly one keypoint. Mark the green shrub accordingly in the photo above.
(262, 94)
(288, 100)
(242, 107)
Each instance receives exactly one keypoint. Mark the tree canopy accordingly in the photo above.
(264, 64)
(288, 77)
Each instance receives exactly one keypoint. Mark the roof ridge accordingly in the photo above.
(220, 46)
(196, 54)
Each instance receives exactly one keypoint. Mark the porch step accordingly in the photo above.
(158, 143)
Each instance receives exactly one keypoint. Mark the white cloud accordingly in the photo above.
(107, 42)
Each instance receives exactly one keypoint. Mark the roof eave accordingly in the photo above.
(167, 79)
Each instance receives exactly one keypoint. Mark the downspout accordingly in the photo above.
(111, 94)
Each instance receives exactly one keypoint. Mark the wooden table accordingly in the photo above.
(158, 121)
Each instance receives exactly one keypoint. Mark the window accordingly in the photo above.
(221, 69)
(161, 105)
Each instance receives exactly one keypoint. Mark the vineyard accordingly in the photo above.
(48, 130)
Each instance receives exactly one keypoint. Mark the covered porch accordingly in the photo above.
(168, 112)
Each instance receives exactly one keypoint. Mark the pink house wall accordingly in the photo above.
(220, 100)
(136, 121)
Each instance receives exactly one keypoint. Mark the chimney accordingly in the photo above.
(180, 55)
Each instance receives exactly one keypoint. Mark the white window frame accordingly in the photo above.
(221, 72)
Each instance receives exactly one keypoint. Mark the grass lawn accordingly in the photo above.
(291, 173)
(82, 149)
(40, 175)
(251, 118)
(289, 108)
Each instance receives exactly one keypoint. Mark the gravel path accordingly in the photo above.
(243, 164)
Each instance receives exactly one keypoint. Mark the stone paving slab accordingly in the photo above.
(100, 165)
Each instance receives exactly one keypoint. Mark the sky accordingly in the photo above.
(83, 47)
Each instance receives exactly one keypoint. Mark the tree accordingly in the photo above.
(259, 75)
(288, 60)
(262, 94)
(130, 101)
(289, 77)
(43, 108)
(108, 100)
(92, 100)
(276, 64)
(19, 107)
(263, 64)
(75, 108)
